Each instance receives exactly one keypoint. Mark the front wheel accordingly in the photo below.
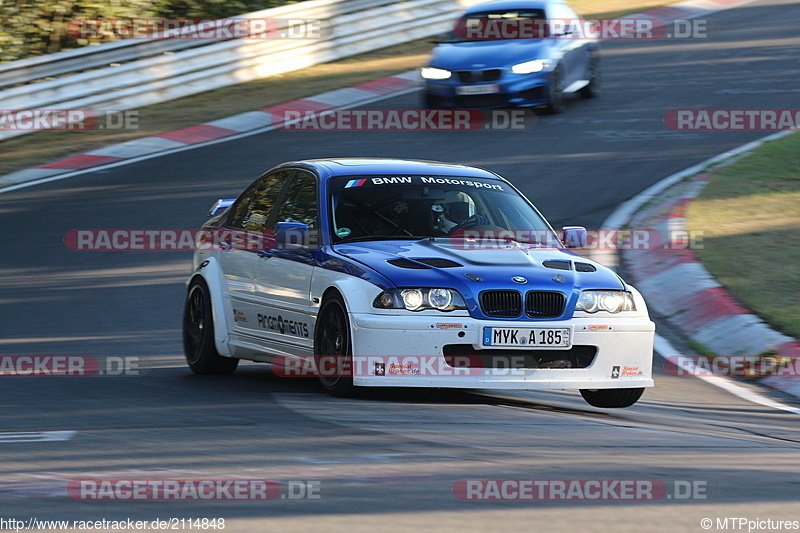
(198, 334)
(611, 398)
(429, 101)
(556, 94)
(333, 348)
(592, 90)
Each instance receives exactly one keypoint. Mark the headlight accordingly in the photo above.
(440, 298)
(433, 73)
(529, 67)
(412, 299)
(609, 301)
(419, 299)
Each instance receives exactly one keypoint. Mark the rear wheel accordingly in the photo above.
(611, 398)
(333, 348)
(198, 334)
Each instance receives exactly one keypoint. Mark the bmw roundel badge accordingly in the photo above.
(519, 279)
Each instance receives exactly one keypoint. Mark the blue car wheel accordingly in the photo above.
(555, 103)
(593, 89)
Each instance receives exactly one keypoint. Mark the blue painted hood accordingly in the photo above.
(496, 265)
(488, 54)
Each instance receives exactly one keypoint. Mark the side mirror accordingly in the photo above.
(573, 236)
(220, 205)
(291, 235)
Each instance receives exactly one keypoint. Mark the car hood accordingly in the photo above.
(487, 54)
(404, 264)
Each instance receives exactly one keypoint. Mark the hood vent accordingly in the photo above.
(558, 265)
(437, 262)
(407, 263)
(567, 265)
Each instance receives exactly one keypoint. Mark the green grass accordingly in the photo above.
(610, 9)
(750, 214)
(699, 347)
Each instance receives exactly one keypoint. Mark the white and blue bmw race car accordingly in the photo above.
(379, 272)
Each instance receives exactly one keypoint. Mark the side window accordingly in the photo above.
(300, 202)
(254, 210)
(240, 207)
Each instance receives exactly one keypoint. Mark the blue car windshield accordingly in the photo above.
(417, 207)
(500, 26)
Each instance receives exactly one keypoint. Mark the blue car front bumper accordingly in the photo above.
(509, 90)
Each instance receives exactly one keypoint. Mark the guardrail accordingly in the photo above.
(157, 70)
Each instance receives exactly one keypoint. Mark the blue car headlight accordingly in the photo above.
(530, 67)
(418, 299)
(433, 73)
(593, 301)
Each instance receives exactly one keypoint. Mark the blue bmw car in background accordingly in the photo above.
(513, 53)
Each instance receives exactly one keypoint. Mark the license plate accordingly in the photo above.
(478, 89)
(531, 337)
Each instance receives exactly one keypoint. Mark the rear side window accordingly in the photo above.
(253, 210)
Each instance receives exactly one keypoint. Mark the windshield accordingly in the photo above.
(500, 26)
(417, 207)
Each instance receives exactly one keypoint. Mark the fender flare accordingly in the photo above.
(354, 292)
(211, 273)
(358, 295)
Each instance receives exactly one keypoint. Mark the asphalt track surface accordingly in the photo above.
(388, 461)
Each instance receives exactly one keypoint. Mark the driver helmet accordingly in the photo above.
(458, 206)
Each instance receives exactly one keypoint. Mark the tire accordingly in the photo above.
(593, 89)
(611, 398)
(198, 333)
(332, 339)
(429, 101)
(556, 103)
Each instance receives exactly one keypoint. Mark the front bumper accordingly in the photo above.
(514, 91)
(396, 351)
